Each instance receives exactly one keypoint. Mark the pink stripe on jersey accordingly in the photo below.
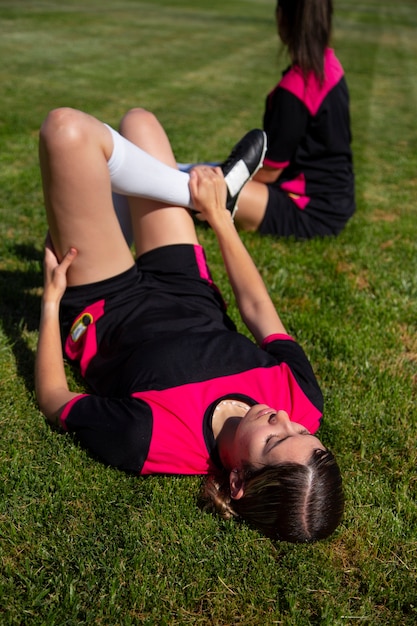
(81, 343)
(202, 263)
(313, 93)
(296, 189)
(297, 185)
(178, 444)
(67, 409)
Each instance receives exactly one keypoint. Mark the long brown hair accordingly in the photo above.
(305, 27)
(290, 502)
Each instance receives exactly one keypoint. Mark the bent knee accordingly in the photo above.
(137, 117)
(62, 125)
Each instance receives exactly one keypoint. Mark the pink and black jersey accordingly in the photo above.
(309, 137)
(159, 352)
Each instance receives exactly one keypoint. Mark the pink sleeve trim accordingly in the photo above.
(278, 165)
(67, 409)
(275, 337)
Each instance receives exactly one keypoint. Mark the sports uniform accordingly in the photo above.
(308, 130)
(158, 351)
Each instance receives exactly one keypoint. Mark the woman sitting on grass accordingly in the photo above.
(173, 387)
(305, 188)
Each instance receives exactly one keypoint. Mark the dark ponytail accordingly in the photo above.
(306, 29)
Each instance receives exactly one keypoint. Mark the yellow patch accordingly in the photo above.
(80, 326)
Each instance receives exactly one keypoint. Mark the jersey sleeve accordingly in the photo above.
(285, 123)
(116, 431)
(286, 350)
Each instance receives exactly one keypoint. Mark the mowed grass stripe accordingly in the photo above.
(391, 139)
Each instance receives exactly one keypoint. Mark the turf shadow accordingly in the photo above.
(20, 297)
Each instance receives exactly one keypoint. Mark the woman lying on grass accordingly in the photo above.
(174, 387)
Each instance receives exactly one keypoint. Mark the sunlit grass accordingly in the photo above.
(84, 544)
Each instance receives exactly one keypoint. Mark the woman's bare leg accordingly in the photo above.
(252, 203)
(74, 150)
(155, 224)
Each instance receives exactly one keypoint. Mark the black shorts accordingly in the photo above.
(284, 219)
(169, 290)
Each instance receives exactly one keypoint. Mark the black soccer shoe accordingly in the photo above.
(244, 161)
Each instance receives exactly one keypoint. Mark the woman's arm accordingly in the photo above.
(50, 381)
(267, 175)
(255, 305)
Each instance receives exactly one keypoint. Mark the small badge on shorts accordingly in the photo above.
(80, 326)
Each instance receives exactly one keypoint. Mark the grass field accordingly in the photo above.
(84, 544)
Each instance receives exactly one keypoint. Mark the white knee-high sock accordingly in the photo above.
(134, 172)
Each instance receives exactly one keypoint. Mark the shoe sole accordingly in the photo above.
(261, 160)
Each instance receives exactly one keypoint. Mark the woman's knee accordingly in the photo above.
(137, 119)
(63, 126)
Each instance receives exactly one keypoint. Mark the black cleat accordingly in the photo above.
(244, 161)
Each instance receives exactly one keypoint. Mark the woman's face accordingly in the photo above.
(265, 436)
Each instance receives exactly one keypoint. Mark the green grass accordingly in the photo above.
(84, 544)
